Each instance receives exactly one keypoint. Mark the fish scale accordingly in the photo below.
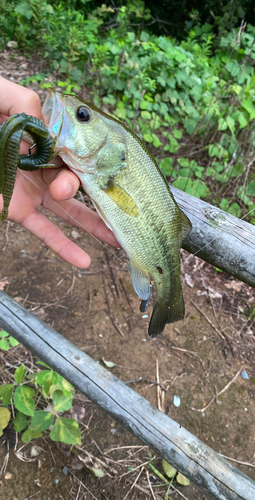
(130, 193)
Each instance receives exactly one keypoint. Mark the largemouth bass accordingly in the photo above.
(130, 193)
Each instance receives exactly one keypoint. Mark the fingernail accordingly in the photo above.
(67, 192)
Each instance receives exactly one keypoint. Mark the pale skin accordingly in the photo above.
(54, 185)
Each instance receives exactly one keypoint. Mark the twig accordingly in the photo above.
(71, 289)
(226, 338)
(85, 487)
(28, 498)
(134, 483)
(77, 496)
(160, 394)
(208, 320)
(138, 467)
(5, 463)
(177, 491)
(144, 379)
(6, 235)
(219, 393)
(151, 490)
(126, 295)
(112, 275)
(90, 304)
(185, 350)
(221, 334)
(123, 447)
(237, 461)
(114, 322)
(174, 378)
(88, 273)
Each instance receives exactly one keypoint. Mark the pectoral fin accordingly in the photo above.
(141, 282)
(122, 199)
(102, 215)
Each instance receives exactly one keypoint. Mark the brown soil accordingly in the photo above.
(98, 311)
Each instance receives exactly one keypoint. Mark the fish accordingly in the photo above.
(130, 193)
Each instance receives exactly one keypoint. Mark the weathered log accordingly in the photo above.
(219, 238)
(171, 441)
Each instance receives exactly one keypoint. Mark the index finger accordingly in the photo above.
(17, 99)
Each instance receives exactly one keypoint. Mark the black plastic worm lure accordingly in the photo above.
(10, 160)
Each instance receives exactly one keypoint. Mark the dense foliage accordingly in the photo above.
(192, 100)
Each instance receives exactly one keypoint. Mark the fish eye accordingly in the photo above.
(83, 114)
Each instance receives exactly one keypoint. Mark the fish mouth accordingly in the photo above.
(52, 113)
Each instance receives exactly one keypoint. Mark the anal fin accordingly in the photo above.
(141, 282)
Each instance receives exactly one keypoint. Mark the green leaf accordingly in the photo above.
(66, 431)
(20, 374)
(146, 115)
(5, 416)
(185, 172)
(184, 162)
(144, 36)
(235, 210)
(62, 402)
(242, 120)
(251, 189)
(20, 422)
(190, 125)
(224, 204)
(131, 36)
(198, 189)
(30, 434)
(23, 400)
(65, 386)
(24, 9)
(182, 183)
(6, 393)
(249, 106)
(233, 67)
(184, 481)
(147, 137)
(155, 141)
(167, 165)
(214, 149)
(97, 472)
(4, 345)
(169, 470)
(13, 341)
(122, 113)
(47, 378)
(3, 333)
(109, 364)
(43, 364)
(177, 133)
(41, 421)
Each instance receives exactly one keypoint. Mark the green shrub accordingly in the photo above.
(191, 101)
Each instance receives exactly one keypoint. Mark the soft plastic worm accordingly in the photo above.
(10, 159)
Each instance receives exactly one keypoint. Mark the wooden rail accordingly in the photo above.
(171, 441)
(219, 238)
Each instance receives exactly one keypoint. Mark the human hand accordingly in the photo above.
(46, 187)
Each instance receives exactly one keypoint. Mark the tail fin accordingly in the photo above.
(164, 313)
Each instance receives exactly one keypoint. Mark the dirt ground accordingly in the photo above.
(98, 310)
